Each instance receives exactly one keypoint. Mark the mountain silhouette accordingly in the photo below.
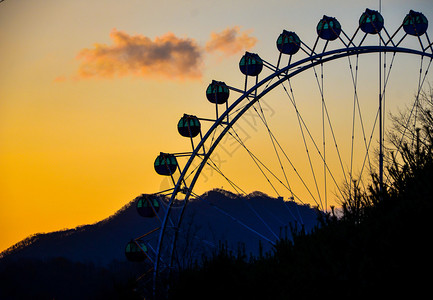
(214, 217)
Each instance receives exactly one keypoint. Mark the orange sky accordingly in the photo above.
(83, 112)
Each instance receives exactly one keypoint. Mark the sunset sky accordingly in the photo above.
(91, 92)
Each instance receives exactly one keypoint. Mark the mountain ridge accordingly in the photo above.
(104, 241)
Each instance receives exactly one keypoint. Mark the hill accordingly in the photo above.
(105, 241)
(88, 262)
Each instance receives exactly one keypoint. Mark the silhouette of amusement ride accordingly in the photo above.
(158, 246)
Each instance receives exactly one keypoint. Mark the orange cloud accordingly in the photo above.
(230, 41)
(167, 57)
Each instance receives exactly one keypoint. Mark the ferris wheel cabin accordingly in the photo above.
(147, 206)
(328, 28)
(251, 64)
(165, 164)
(135, 251)
(217, 92)
(188, 126)
(371, 21)
(415, 23)
(288, 42)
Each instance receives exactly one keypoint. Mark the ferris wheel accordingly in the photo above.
(309, 128)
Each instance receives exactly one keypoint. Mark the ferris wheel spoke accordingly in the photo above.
(320, 86)
(325, 112)
(406, 126)
(323, 106)
(355, 101)
(262, 117)
(356, 107)
(302, 126)
(275, 140)
(256, 160)
(272, 138)
(367, 154)
(421, 84)
(417, 99)
(236, 187)
(415, 104)
(224, 212)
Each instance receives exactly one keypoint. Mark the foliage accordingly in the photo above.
(59, 278)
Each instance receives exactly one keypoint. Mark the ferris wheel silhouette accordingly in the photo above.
(311, 149)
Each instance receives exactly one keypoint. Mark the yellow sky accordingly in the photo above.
(74, 149)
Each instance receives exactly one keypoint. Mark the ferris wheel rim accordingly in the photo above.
(315, 60)
(340, 53)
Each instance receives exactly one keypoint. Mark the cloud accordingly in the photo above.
(165, 57)
(230, 41)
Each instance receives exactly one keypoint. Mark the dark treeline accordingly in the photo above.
(379, 246)
(60, 278)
